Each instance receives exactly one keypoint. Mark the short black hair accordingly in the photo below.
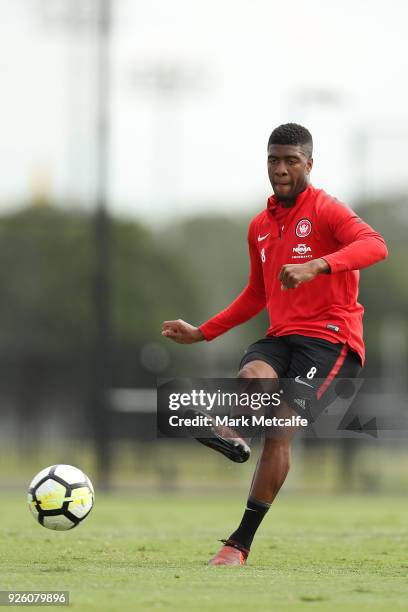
(292, 134)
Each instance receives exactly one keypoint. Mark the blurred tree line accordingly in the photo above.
(189, 269)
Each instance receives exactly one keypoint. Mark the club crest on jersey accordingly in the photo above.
(303, 228)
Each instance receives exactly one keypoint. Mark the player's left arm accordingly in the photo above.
(360, 246)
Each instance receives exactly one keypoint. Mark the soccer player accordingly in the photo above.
(305, 251)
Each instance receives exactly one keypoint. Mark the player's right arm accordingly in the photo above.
(181, 332)
(248, 304)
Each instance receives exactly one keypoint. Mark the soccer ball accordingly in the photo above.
(60, 497)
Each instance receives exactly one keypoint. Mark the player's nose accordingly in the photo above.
(281, 169)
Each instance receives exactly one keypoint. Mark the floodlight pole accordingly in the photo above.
(98, 20)
(102, 359)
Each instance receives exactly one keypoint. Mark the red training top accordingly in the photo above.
(317, 226)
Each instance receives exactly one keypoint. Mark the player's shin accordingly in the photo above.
(253, 515)
(269, 476)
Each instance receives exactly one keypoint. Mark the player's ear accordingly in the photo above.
(309, 165)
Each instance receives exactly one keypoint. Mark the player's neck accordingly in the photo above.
(289, 203)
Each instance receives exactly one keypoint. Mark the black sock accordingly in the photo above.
(253, 515)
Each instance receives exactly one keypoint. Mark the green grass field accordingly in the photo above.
(150, 552)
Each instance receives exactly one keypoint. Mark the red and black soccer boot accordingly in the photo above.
(220, 438)
(230, 554)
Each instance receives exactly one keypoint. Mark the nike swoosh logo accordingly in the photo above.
(302, 382)
(260, 238)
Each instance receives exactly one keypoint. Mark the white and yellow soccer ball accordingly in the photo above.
(60, 497)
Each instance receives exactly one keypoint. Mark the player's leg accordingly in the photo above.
(308, 388)
(262, 360)
(270, 474)
(273, 464)
(318, 363)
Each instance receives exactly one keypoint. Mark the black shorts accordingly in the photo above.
(308, 368)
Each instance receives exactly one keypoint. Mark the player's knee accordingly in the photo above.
(257, 369)
(247, 371)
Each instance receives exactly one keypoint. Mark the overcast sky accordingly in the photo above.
(243, 67)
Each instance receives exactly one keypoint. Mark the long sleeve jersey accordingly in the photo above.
(317, 226)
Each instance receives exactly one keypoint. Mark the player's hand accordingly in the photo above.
(292, 275)
(181, 332)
